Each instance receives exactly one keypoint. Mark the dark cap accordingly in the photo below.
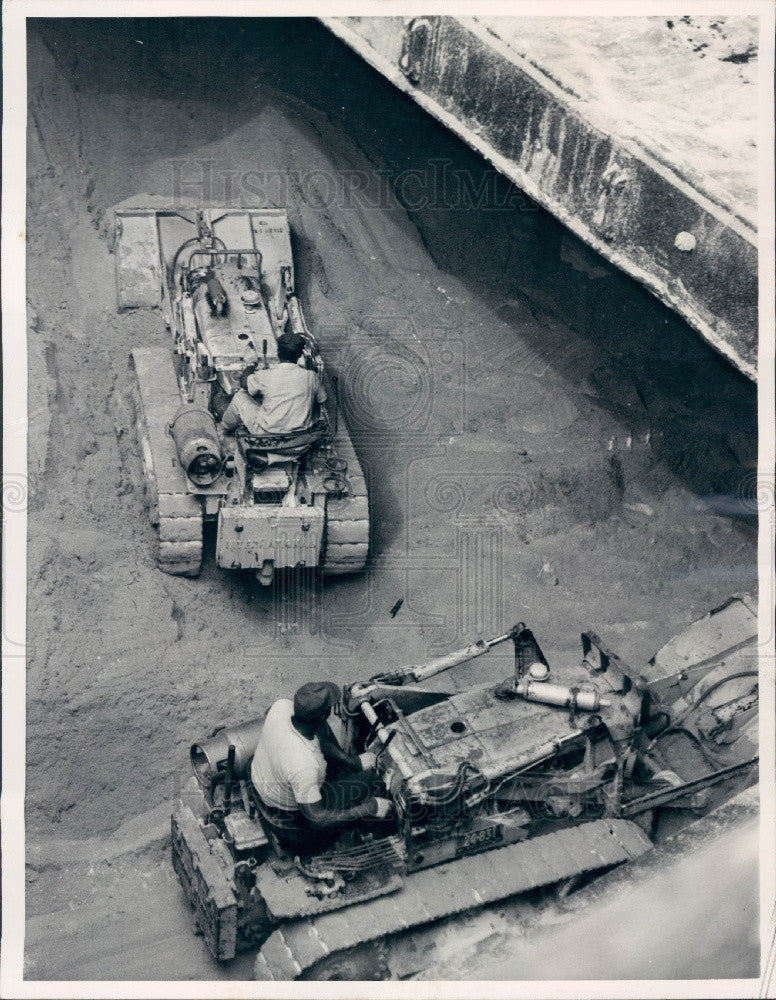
(313, 701)
(290, 345)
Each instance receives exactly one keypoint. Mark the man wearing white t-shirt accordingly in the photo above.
(308, 786)
(279, 400)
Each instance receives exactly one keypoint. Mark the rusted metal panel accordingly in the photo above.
(497, 735)
(615, 195)
(291, 536)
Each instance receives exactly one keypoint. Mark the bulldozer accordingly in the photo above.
(224, 282)
(538, 782)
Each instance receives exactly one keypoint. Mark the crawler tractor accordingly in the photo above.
(224, 281)
(541, 780)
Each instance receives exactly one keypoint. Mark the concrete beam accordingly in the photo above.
(692, 252)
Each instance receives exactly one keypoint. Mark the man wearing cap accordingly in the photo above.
(308, 787)
(278, 399)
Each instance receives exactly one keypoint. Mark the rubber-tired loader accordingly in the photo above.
(542, 780)
(224, 281)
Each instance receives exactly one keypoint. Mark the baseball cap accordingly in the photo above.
(314, 700)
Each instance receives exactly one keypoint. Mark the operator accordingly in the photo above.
(279, 399)
(308, 787)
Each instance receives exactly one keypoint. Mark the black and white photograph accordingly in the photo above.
(388, 499)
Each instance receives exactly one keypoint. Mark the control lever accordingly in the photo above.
(335, 384)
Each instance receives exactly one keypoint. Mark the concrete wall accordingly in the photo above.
(610, 191)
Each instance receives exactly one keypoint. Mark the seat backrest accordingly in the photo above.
(293, 444)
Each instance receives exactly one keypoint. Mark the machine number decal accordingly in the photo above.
(475, 840)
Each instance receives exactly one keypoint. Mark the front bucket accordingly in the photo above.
(138, 265)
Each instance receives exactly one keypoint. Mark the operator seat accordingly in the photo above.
(260, 450)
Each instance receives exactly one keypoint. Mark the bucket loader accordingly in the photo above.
(539, 780)
(224, 282)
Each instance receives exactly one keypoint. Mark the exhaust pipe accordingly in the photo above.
(210, 754)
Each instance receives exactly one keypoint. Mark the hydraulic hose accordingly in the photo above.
(713, 687)
(188, 243)
(678, 728)
(708, 756)
(445, 798)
